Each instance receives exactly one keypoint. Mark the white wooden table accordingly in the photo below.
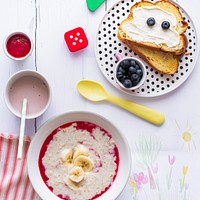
(47, 21)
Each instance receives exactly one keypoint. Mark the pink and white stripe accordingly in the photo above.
(14, 181)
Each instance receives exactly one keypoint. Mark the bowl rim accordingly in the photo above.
(9, 36)
(142, 66)
(17, 76)
(71, 116)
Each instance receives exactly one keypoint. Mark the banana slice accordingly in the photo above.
(80, 150)
(67, 155)
(76, 174)
(71, 184)
(85, 162)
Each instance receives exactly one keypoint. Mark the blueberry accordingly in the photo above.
(119, 75)
(151, 21)
(127, 83)
(125, 63)
(120, 69)
(132, 70)
(121, 64)
(137, 66)
(121, 78)
(135, 77)
(139, 72)
(133, 63)
(124, 66)
(165, 25)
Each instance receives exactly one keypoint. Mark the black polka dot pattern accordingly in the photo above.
(108, 45)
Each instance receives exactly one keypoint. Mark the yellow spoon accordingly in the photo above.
(94, 91)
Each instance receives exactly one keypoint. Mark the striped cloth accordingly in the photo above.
(14, 181)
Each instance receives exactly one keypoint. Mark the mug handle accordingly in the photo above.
(118, 56)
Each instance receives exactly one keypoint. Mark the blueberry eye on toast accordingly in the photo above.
(151, 21)
(165, 25)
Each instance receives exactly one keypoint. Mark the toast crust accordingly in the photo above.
(168, 7)
(165, 63)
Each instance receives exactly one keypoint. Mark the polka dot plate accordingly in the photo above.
(108, 44)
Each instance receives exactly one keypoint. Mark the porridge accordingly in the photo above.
(79, 161)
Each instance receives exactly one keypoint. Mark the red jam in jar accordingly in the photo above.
(18, 45)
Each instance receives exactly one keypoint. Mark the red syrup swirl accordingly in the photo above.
(80, 125)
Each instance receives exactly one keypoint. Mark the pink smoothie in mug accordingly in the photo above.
(34, 89)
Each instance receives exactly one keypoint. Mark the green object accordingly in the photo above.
(94, 4)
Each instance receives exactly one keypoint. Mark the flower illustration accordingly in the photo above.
(136, 183)
(134, 189)
(148, 149)
(154, 169)
(133, 185)
(171, 160)
(184, 171)
(140, 179)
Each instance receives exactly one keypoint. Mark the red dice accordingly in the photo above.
(76, 39)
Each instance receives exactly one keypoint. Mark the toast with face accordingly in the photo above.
(155, 31)
(158, 25)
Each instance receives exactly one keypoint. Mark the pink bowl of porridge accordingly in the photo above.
(78, 156)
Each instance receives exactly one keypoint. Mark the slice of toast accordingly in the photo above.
(163, 5)
(165, 63)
